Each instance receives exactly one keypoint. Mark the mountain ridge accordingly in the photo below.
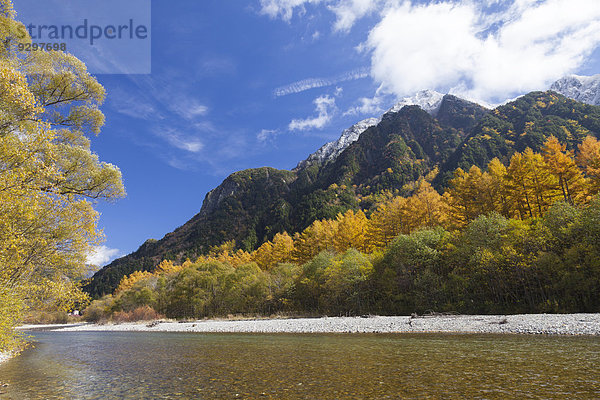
(428, 100)
(250, 206)
(585, 89)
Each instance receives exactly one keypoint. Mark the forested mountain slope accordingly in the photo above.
(251, 206)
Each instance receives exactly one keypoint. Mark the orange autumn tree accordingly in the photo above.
(588, 159)
(561, 164)
(317, 237)
(530, 187)
(272, 253)
(351, 228)
(469, 195)
(388, 221)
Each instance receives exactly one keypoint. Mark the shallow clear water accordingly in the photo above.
(109, 365)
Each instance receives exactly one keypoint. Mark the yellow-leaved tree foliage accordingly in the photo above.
(226, 253)
(530, 184)
(588, 159)
(271, 253)
(425, 208)
(49, 177)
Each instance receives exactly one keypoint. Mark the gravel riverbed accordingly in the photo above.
(550, 324)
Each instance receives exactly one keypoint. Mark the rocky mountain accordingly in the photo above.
(251, 206)
(427, 100)
(330, 151)
(585, 89)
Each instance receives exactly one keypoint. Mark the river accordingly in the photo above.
(129, 365)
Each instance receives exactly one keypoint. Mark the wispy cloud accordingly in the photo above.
(190, 108)
(180, 140)
(133, 106)
(325, 107)
(284, 9)
(349, 11)
(311, 83)
(266, 134)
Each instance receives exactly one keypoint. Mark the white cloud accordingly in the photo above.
(367, 105)
(266, 134)
(486, 50)
(102, 255)
(325, 106)
(284, 9)
(441, 46)
(132, 106)
(349, 11)
(311, 83)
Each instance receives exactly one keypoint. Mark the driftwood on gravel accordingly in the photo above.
(431, 313)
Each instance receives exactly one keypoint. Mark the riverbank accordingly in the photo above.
(549, 324)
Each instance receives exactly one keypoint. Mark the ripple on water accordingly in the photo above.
(117, 365)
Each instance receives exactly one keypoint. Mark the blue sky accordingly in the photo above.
(237, 85)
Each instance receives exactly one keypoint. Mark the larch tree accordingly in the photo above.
(351, 230)
(317, 237)
(388, 221)
(529, 186)
(469, 196)
(425, 207)
(271, 253)
(561, 164)
(588, 159)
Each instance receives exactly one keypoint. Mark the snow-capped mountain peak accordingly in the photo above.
(428, 100)
(585, 89)
(331, 150)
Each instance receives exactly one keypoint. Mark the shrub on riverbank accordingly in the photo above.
(50, 317)
(143, 313)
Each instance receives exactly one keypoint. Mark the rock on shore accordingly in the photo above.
(552, 324)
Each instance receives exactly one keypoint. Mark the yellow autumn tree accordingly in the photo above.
(588, 159)
(531, 189)
(561, 164)
(351, 228)
(128, 281)
(425, 208)
(226, 253)
(388, 221)
(496, 189)
(169, 267)
(49, 104)
(270, 254)
(317, 237)
(470, 195)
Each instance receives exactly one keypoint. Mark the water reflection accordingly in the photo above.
(206, 366)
